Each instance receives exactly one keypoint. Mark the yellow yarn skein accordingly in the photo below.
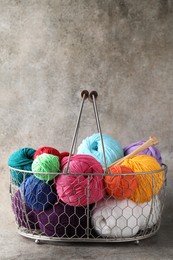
(149, 184)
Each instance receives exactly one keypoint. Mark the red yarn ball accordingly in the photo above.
(50, 150)
(120, 186)
(63, 154)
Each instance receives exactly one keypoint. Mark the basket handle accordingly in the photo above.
(151, 141)
(84, 96)
(92, 96)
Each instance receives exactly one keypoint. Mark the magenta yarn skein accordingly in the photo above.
(80, 187)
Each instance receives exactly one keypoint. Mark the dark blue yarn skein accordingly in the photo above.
(37, 194)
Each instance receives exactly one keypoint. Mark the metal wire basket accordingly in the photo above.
(121, 221)
(106, 220)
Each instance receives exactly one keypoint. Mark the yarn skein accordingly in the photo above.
(37, 194)
(93, 146)
(63, 220)
(80, 187)
(21, 159)
(152, 150)
(116, 218)
(121, 183)
(151, 212)
(47, 164)
(24, 216)
(50, 150)
(149, 182)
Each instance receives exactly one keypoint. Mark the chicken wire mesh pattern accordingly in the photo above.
(42, 213)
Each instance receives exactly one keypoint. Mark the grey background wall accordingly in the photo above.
(50, 50)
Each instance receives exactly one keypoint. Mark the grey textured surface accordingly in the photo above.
(50, 50)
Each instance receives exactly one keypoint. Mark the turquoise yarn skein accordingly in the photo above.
(21, 159)
(45, 164)
(92, 146)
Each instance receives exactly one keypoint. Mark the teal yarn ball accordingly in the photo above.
(48, 165)
(21, 159)
(92, 145)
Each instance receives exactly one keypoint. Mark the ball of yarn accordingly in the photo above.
(22, 160)
(92, 145)
(50, 150)
(46, 164)
(63, 154)
(24, 216)
(149, 181)
(152, 150)
(151, 212)
(120, 183)
(37, 194)
(81, 187)
(63, 220)
(116, 218)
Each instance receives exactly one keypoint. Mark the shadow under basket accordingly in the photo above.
(82, 212)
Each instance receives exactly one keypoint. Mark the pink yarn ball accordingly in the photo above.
(80, 187)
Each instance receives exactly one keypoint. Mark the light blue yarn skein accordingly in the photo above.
(92, 146)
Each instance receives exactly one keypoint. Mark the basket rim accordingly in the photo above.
(163, 168)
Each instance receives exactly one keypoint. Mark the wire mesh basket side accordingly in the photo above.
(66, 218)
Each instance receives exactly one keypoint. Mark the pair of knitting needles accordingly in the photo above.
(151, 141)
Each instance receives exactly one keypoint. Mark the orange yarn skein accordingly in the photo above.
(120, 186)
(149, 182)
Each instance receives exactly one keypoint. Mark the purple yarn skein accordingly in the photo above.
(24, 216)
(152, 150)
(63, 220)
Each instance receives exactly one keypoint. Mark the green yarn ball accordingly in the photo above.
(48, 165)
